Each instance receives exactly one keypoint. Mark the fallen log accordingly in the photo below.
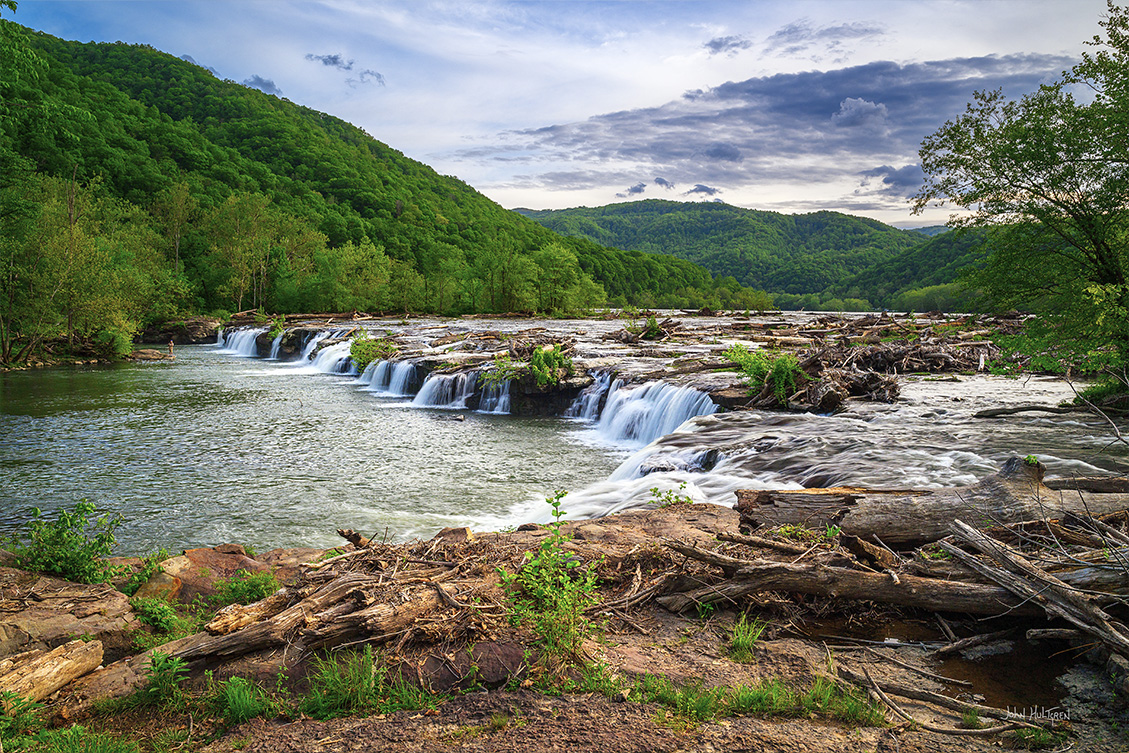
(42, 673)
(919, 516)
(1027, 581)
(756, 576)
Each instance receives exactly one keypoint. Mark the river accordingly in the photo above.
(214, 447)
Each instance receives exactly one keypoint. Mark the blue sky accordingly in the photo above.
(786, 105)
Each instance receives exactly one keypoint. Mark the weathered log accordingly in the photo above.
(1040, 587)
(46, 672)
(236, 616)
(911, 517)
(756, 576)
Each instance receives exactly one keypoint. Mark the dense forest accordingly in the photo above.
(803, 258)
(137, 186)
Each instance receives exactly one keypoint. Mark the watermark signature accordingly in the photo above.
(1040, 713)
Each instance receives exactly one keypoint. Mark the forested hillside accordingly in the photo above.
(136, 185)
(779, 253)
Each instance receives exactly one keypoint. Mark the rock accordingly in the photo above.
(199, 569)
(454, 535)
(194, 329)
(160, 585)
(38, 611)
(146, 354)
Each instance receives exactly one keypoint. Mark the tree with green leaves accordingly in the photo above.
(1048, 175)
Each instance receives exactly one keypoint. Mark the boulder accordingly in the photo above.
(41, 612)
(198, 570)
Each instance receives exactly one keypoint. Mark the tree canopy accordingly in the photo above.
(1048, 176)
(181, 193)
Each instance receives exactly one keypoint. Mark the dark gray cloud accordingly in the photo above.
(635, 190)
(209, 69)
(664, 183)
(703, 190)
(727, 45)
(897, 182)
(366, 76)
(723, 152)
(810, 127)
(264, 85)
(802, 38)
(337, 60)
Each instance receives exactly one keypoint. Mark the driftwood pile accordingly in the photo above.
(1007, 546)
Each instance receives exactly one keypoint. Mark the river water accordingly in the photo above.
(214, 448)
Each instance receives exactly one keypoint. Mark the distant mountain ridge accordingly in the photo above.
(776, 252)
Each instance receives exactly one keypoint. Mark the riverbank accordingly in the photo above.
(492, 685)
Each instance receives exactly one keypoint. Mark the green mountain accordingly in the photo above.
(921, 278)
(779, 253)
(192, 194)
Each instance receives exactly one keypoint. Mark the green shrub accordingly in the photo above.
(166, 673)
(503, 370)
(365, 349)
(18, 716)
(157, 614)
(551, 591)
(71, 547)
(546, 365)
(781, 373)
(246, 588)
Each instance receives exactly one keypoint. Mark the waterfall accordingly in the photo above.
(313, 343)
(396, 378)
(274, 346)
(403, 379)
(240, 342)
(446, 390)
(643, 414)
(495, 398)
(334, 359)
(587, 403)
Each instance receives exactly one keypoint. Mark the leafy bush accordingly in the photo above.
(504, 370)
(166, 673)
(246, 588)
(365, 349)
(156, 613)
(546, 365)
(18, 716)
(551, 591)
(71, 547)
(781, 374)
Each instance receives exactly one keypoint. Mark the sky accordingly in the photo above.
(784, 105)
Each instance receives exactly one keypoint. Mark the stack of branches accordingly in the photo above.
(524, 343)
(900, 357)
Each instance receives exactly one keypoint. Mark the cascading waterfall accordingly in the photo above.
(241, 342)
(395, 378)
(446, 390)
(637, 416)
(334, 359)
(275, 345)
(495, 398)
(587, 403)
(308, 349)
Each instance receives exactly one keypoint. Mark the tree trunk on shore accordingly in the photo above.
(37, 674)
(914, 517)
